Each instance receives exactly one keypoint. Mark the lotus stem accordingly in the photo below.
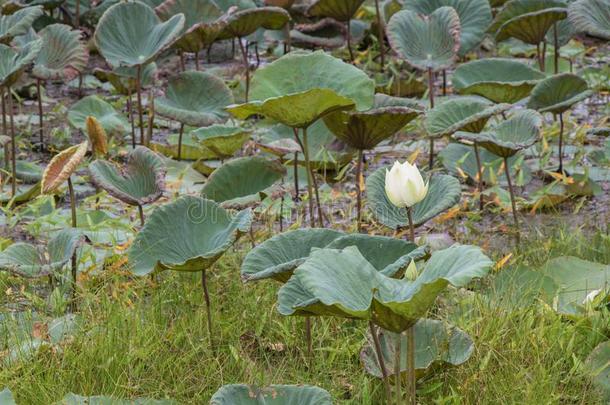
(287, 40)
(13, 144)
(512, 199)
(411, 226)
(40, 124)
(308, 337)
(397, 353)
(130, 114)
(318, 203)
(411, 365)
(244, 55)
(206, 297)
(73, 263)
(77, 15)
(444, 82)
(348, 34)
(258, 57)
(151, 117)
(359, 190)
(180, 142)
(196, 61)
(561, 129)
(4, 125)
(309, 179)
(431, 97)
(381, 361)
(141, 214)
(556, 48)
(182, 64)
(380, 34)
(139, 96)
(544, 44)
(296, 175)
(479, 175)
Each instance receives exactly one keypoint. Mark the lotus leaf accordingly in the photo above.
(340, 10)
(221, 141)
(436, 344)
(130, 34)
(245, 22)
(61, 167)
(592, 16)
(343, 283)
(443, 193)
(6, 397)
(189, 234)
(13, 62)
(326, 33)
(225, 5)
(30, 261)
(426, 42)
(94, 106)
(558, 93)
(475, 17)
(123, 79)
(28, 172)
(23, 194)
(195, 98)
(73, 399)
(499, 80)
(242, 180)
(17, 23)
(63, 55)
(241, 394)
(598, 366)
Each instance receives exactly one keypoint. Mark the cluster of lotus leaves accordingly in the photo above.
(497, 79)
(61, 167)
(556, 94)
(279, 256)
(301, 87)
(94, 106)
(27, 260)
(527, 20)
(17, 23)
(241, 394)
(140, 182)
(14, 61)
(444, 192)
(519, 132)
(131, 34)
(123, 78)
(189, 234)
(242, 23)
(427, 42)
(592, 16)
(340, 10)
(63, 55)
(342, 283)
(437, 344)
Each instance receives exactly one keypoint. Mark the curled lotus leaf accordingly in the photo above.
(97, 136)
(340, 10)
(497, 79)
(141, 181)
(189, 234)
(195, 98)
(61, 167)
(558, 93)
(592, 16)
(131, 34)
(13, 62)
(93, 106)
(344, 284)
(27, 260)
(427, 42)
(63, 55)
(17, 23)
(444, 192)
(245, 22)
(437, 344)
(123, 79)
(241, 394)
(221, 141)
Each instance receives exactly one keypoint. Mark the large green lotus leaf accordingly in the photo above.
(123, 78)
(443, 193)
(592, 16)
(241, 394)
(6, 397)
(189, 234)
(190, 149)
(242, 180)
(461, 114)
(598, 366)
(74, 399)
(519, 132)
(28, 172)
(30, 261)
(141, 181)
(475, 17)
(426, 42)
(340, 10)
(558, 93)
(13, 62)
(499, 80)
(343, 283)
(221, 141)
(111, 120)
(24, 193)
(528, 20)
(437, 344)
(202, 23)
(245, 22)
(195, 98)
(277, 257)
(18, 23)
(63, 55)
(130, 34)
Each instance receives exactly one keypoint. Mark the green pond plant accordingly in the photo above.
(241, 394)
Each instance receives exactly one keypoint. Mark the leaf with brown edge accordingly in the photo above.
(61, 167)
(97, 136)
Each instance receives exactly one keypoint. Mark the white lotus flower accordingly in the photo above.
(405, 185)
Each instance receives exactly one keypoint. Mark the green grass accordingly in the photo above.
(149, 339)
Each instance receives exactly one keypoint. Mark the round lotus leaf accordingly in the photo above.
(130, 34)
(443, 193)
(13, 62)
(61, 167)
(598, 366)
(189, 234)
(17, 23)
(340, 10)
(437, 344)
(241, 394)
(242, 180)
(245, 22)
(63, 55)
(73, 399)
(24, 193)
(195, 98)
(123, 79)
(528, 20)
(592, 16)
(301, 87)
(519, 132)
(141, 181)
(6, 397)
(344, 284)
(499, 80)
(426, 42)
(26, 260)
(93, 106)
(475, 16)
(28, 172)
(558, 93)
(277, 257)
(461, 114)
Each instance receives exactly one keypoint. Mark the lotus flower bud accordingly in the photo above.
(404, 185)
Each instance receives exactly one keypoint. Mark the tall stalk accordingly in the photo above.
(13, 144)
(381, 361)
(512, 199)
(431, 97)
(206, 296)
(310, 195)
(139, 95)
(40, 124)
(479, 175)
(359, 189)
(73, 259)
(380, 34)
(397, 353)
(244, 54)
(180, 142)
(411, 226)
(349, 40)
(130, 114)
(561, 129)
(412, 380)
(556, 48)
(141, 214)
